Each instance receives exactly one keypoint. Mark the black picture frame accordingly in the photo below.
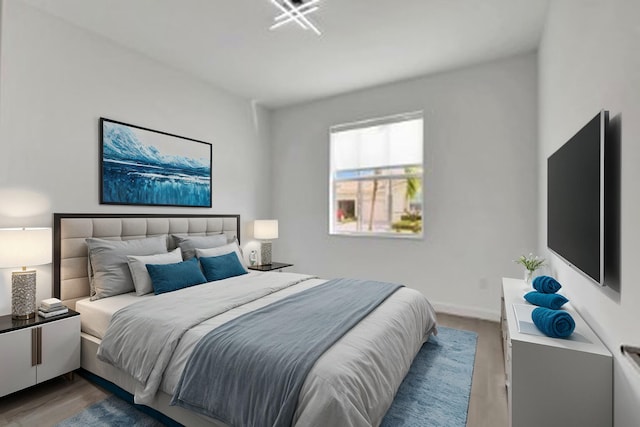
(146, 167)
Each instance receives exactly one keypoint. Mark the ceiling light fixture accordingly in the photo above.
(295, 11)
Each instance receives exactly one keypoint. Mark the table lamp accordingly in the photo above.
(265, 230)
(21, 247)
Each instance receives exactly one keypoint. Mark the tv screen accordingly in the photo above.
(575, 199)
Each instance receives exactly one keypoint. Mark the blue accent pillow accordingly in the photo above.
(222, 267)
(171, 277)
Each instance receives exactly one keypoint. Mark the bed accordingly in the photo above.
(353, 383)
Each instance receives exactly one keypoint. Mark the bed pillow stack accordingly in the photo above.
(144, 265)
(206, 259)
(548, 317)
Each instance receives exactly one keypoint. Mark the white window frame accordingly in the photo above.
(332, 187)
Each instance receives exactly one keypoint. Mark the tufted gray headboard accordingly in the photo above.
(70, 276)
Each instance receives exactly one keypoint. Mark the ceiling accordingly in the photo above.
(363, 43)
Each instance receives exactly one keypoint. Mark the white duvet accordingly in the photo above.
(352, 384)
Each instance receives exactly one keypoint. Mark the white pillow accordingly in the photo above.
(223, 250)
(138, 267)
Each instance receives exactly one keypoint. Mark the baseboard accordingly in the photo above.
(477, 313)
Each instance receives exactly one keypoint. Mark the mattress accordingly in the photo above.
(96, 315)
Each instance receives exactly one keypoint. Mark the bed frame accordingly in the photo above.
(71, 281)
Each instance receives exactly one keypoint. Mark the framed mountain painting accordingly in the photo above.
(140, 166)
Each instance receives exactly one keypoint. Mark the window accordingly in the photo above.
(376, 177)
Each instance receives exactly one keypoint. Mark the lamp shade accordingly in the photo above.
(265, 229)
(21, 247)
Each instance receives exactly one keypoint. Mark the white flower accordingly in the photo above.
(530, 262)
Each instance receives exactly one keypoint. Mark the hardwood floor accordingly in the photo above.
(488, 403)
(51, 402)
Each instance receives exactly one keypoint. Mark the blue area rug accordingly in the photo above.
(109, 412)
(435, 392)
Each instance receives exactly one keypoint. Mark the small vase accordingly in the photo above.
(528, 277)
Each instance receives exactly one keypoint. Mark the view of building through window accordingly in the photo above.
(377, 176)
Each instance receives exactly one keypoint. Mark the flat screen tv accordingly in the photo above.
(575, 199)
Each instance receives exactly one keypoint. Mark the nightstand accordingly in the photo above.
(270, 267)
(38, 349)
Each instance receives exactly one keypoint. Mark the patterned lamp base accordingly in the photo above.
(23, 294)
(265, 253)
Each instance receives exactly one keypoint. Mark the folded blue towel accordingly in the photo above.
(546, 285)
(553, 323)
(552, 301)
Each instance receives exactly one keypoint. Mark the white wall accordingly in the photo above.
(480, 184)
(57, 80)
(590, 59)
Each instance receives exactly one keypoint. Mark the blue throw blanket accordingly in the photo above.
(553, 323)
(552, 301)
(249, 371)
(546, 284)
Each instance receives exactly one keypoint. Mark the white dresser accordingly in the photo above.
(553, 381)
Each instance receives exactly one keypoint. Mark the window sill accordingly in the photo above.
(403, 236)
